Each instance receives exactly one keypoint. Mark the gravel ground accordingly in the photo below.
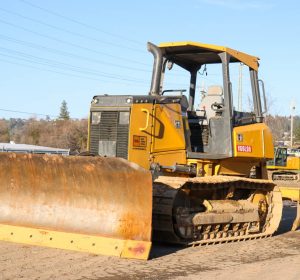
(274, 258)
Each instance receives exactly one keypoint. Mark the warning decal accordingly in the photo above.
(244, 148)
(139, 142)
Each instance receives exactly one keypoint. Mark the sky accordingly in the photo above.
(71, 50)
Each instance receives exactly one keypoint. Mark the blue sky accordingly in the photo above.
(71, 50)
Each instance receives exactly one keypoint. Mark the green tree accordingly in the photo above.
(64, 113)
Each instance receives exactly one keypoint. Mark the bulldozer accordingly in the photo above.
(284, 167)
(158, 168)
(284, 170)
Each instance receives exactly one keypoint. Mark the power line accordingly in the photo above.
(79, 22)
(47, 70)
(69, 31)
(69, 43)
(66, 54)
(52, 71)
(65, 66)
(62, 73)
(28, 113)
(70, 67)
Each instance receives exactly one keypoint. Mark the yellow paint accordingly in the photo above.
(170, 158)
(89, 133)
(168, 128)
(147, 119)
(293, 163)
(237, 166)
(141, 124)
(251, 61)
(205, 167)
(76, 242)
(217, 169)
(162, 125)
(258, 137)
(292, 193)
(168, 140)
(228, 166)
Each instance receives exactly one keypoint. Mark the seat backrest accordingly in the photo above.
(214, 95)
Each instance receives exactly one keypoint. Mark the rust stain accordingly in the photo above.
(12, 155)
(138, 250)
(46, 158)
(89, 168)
(132, 226)
(89, 195)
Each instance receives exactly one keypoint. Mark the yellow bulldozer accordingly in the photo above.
(284, 170)
(284, 167)
(158, 168)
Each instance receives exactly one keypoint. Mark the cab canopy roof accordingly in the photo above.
(192, 54)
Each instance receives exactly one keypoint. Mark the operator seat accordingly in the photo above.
(214, 96)
(199, 121)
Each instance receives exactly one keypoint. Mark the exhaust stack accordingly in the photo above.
(157, 68)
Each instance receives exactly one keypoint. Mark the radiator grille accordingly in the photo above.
(110, 129)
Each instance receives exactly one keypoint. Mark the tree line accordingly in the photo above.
(72, 134)
(68, 133)
(281, 127)
(62, 132)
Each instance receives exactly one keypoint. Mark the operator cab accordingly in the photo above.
(280, 157)
(219, 107)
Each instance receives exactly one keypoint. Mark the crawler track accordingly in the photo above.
(284, 177)
(168, 205)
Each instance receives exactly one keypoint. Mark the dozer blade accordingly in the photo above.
(91, 204)
(291, 191)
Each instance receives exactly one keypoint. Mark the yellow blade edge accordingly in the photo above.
(98, 245)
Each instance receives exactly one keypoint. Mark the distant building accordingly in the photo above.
(31, 149)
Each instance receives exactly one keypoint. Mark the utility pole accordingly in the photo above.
(240, 89)
(293, 107)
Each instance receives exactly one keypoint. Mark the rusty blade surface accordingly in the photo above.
(91, 195)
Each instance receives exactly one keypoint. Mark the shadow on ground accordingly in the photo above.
(162, 249)
(288, 216)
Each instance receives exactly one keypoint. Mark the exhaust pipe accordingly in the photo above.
(157, 68)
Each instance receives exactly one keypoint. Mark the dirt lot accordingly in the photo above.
(274, 258)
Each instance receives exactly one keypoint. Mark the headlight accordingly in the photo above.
(96, 117)
(124, 118)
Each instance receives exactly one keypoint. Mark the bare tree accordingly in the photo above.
(4, 131)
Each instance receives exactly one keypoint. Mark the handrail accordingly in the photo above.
(147, 119)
